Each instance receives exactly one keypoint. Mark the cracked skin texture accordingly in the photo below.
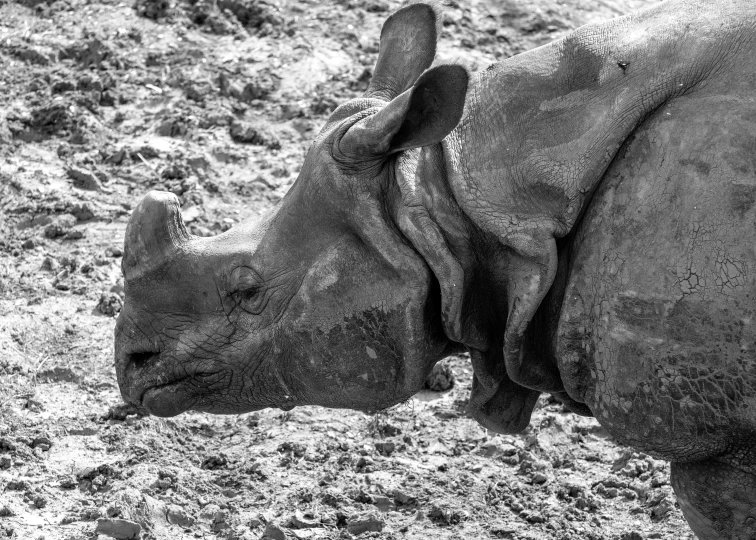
(650, 320)
(657, 332)
(656, 329)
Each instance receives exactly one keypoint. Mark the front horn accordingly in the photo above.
(155, 232)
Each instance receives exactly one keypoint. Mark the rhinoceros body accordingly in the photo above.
(581, 218)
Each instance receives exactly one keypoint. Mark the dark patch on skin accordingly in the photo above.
(642, 314)
(689, 322)
(550, 199)
(579, 67)
(742, 198)
(701, 166)
(749, 149)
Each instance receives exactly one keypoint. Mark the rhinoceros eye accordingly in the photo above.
(245, 285)
(250, 293)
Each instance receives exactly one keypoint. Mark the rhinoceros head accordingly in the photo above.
(324, 301)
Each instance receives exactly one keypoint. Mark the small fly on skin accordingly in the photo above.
(623, 65)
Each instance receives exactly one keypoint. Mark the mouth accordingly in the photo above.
(155, 390)
(168, 399)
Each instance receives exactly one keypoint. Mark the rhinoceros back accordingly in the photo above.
(657, 331)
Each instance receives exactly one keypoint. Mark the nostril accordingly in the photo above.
(139, 359)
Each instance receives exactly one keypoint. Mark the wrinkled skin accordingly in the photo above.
(581, 218)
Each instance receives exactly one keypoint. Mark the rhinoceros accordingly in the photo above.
(580, 218)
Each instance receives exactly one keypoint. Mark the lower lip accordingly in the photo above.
(168, 400)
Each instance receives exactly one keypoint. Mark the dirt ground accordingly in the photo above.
(217, 100)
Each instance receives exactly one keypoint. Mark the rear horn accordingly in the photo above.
(155, 232)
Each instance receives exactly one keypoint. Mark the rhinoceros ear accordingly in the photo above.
(423, 115)
(408, 46)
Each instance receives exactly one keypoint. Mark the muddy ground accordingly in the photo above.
(216, 101)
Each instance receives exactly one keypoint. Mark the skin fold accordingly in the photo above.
(581, 218)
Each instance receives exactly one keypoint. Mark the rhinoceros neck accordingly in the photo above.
(540, 129)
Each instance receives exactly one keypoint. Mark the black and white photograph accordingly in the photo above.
(378, 269)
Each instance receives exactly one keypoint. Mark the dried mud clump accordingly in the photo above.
(441, 377)
(92, 53)
(110, 304)
(251, 13)
(153, 9)
(245, 132)
(230, 16)
(260, 85)
(51, 118)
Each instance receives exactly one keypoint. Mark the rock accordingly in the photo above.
(400, 497)
(446, 516)
(48, 263)
(215, 516)
(441, 377)
(52, 117)
(541, 478)
(68, 482)
(251, 13)
(118, 528)
(42, 442)
(274, 532)
(121, 412)
(174, 171)
(377, 6)
(84, 179)
(89, 83)
(533, 517)
(244, 132)
(662, 509)
(74, 234)
(82, 211)
(61, 87)
(60, 225)
(178, 516)
(173, 127)
(386, 447)
(7, 444)
(309, 534)
(110, 304)
(383, 503)
(496, 448)
(365, 464)
(303, 521)
(69, 262)
(214, 462)
(29, 244)
(32, 55)
(153, 9)
(260, 86)
(366, 522)
(93, 52)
